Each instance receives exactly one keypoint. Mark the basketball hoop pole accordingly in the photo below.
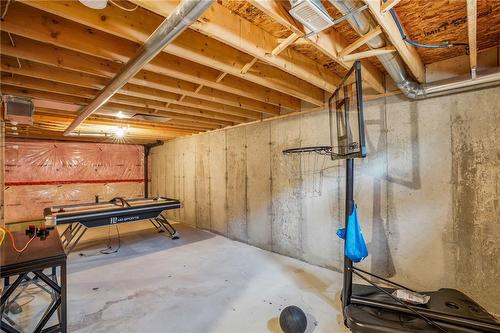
(349, 206)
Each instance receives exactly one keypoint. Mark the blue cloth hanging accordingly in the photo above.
(355, 246)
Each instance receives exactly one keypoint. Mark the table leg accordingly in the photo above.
(11, 289)
(3, 300)
(64, 315)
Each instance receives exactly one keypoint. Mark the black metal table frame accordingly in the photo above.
(79, 222)
(75, 231)
(58, 290)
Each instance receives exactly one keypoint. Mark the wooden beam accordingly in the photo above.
(35, 133)
(57, 122)
(111, 107)
(199, 88)
(472, 33)
(210, 54)
(248, 65)
(388, 5)
(38, 25)
(406, 51)
(75, 61)
(284, 44)
(39, 131)
(199, 107)
(369, 53)
(329, 42)
(220, 23)
(219, 78)
(359, 42)
(66, 89)
(171, 125)
(108, 120)
(148, 129)
(299, 41)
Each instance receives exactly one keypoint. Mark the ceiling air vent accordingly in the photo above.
(311, 13)
(19, 110)
(147, 117)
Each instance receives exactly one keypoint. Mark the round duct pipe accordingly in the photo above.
(394, 65)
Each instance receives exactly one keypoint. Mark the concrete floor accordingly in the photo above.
(200, 283)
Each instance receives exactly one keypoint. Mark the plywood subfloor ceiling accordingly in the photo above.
(242, 61)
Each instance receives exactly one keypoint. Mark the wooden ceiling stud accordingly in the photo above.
(472, 32)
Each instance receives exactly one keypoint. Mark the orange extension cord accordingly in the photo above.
(6, 231)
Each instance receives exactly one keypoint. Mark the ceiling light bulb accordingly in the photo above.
(95, 4)
(120, 132)
(120, 115)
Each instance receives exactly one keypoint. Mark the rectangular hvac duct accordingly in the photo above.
(311, 13)
(152, 118)
(18, 110)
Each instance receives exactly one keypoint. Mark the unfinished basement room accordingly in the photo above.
(250, 166)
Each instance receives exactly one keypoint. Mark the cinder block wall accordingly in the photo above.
(427, 193)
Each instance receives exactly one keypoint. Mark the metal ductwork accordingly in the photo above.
(394, 65)
(184, 15)
(392, 62)
(311, 13)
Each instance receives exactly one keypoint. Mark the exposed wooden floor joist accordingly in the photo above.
(220, 23)
(44, 27)
(238, 63)
(329, 42)
(68, 59)
(207, 54)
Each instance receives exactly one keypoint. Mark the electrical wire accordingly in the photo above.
(5, 10)
(109, 248)
(14, 45)
(124, 8)
(427, 46)
(3, 236)
(13, 242)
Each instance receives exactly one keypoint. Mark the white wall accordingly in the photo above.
(427, 193)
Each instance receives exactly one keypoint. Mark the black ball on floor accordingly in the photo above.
(293, 320)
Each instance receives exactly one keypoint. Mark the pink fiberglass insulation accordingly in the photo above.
(40, 174)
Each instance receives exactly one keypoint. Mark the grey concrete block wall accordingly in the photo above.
(475, 183)
(236, 184)
(286, 208)
(427, 193)
(202, 176)
(258, 191)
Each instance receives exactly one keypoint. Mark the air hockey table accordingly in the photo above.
(80, 217)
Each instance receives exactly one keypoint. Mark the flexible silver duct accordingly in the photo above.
(184, 14)
(394, 65)
(392, 62)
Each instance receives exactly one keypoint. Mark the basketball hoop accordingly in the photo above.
(308, 165)
(347, 135)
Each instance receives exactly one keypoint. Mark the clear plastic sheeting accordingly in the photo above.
(52, 161)
(40, 174)
(26, 203)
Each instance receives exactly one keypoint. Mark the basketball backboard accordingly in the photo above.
(347, 126)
